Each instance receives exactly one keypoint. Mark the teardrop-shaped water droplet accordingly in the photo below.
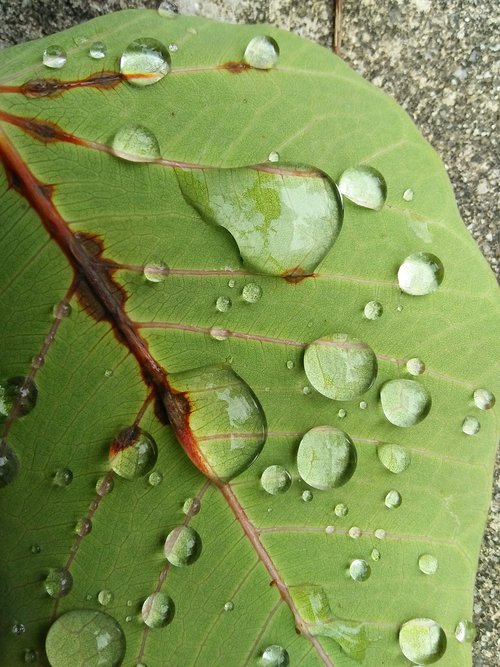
(471, 426)
(9, 464)
(408, 194)
(262, 52)
(465, 631)
(355, 532)
(405, 402)
(275, 656)
(359, 570)
(275, 480)
(251, 292)
(484, 399)
(54, 57)
(182, 546)
(393, 499)
(133, 453)
(17, 392)
(158, 610)
(83, 527)
(231, 283)
(104, 597)
(104, 485)
(155, 478)
(145, 61)
(98, 50)
(326, 458)
(428, 564)
(415, 366)
(229, 606)
(365, 186)
(155, 273)
(375, 554)
(373, 310)
(273, 156)
(191, 506)
(136, 143)
(420, 274)
(340, 367)
(307, 496)
(168, 9)
(223, 304)
(62, 477)
(85, 637)
(394, 457)
(422, 641)
(58, 582)
(341, 509)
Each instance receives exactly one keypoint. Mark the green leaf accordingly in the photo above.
(171, 297)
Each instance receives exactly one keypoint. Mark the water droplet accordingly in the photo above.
(133, 453)
(30, 656)
(373, 310)
(359, 570)
(275, 480)
(17, 392)
(394, 457)
(62, 477)
(306, 390)
(136, 143)
(191, 506)
(158, 610)
(290, 365)
(415, 366)
(393, 499)
(35, 549)
(365, 186)
(229, 606)
(379, 534)
(61, 310)
(420, 274)
(363, 405)
(340, 367)
(399, 308)
(155, 273)
(422, 641)
(275, 656)
(219, 333)
(104, 597)
(341, 509)
(326, 457)
(405, 402)
(484, 399)
(428, 564)
(465, 631)
(9, 463)
(89, 597)
(83, 527)
(100, 640)
(471, 426)
(155, 478)
(262, 52)
(375, 554)
(231, 283)
(54, 57)
(342, 414)
(173, 48)
(408, 194)
(307, 496)
(145, 61)
(98, 50)
(108, 373)
(58, 582)
(182, 546)
(128, 619)
(104, 485)
(38, 361)
(18, 628)
(169, 10)
(273, 156)
(223, 304)
(251, 292)
(355, 532)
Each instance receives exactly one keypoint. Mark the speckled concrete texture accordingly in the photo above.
(439, 59)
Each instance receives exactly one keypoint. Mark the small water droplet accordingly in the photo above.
(104, 485)
(373, 310)
(251, 292)
(158, 610)
(422, 641)
(408, 194)
(405, 402)
(262, 52)
(471, 425)
(182, 546)
(375, 554)
(35, 549)
(30, 656)
(133, 453)
(341, 509)
(379, 534)
(155, 478)
(98, 50)
(393, 499)
(275, 656)
(219, 333)
(62, 477)
(89, 597)
(307, 496)
(223, 304)
(128, 619)
(9, 463)
(290, 364)
(173, 48)
(428, 564)
(191, 506)
(273, 156)
(83, 527)
(329, 530)
(155, 273)
(169, 10)
(145, 61)
(306, 390)
(365, 186)
(420, 274)
(108, 373)
(54, 57)
(136, 143)
(415, 366)
(231, 283)
(355, 532)
(18, 628)
(61, 310)
(465, 631)
(399, 308)
(484, 399)
(342, 414)
(326, 457)
(275, 480)
(229, 606)
(359, 570)
(58, 582)
(17, 392)
(104, 597)
(363, 405)
(394, 457)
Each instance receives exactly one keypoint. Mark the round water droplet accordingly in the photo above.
(422, 641)
(54, 57)
(133, 453)
(173, 48)
(465, 631)
(182, 546)
(290, 365)
(145, 61)
(365, 186)
(393, 499)
(191, 506)
(155, 273)
(355, 532)
(307, 391)
(251, 292)
(375, 554)
(340, 367)
(218, 333)
(98, 50)
(484, 399)
(359, 570)
(341, 509)
(83, 637)
(58, 582)
(155, 478)
(329, 530)
(61, 310)
(373, 310)
(169, 10)
(405, 402)
(30, 656)
(415, 366)
(363, 405)
(62, 477)
(341, 414)
(307, 496)
(273, 156)
(262, 52)
(408, 194)
(394, 457)
(18, 628)
(158, 610)
(428, 564)
(471, 425)
(17, 392)
(136, 143)
(35, 549)
(420, 274)
(83, 527)
(229, 606)
(379, 533)
(326, 457)
(223, 304)
(104, 485)
(275, 480)
(104, 597)
(275, 656)
(9, 464)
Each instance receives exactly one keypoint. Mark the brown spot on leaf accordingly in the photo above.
(53, 87)
(235, 67)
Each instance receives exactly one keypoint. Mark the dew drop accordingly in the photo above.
(18, 628)
(465, 631)
(219, 333)
(62, 477)
(145, 61)
(306, 390)
(428, 564)
(128, 619)
(326, 457)
(275, 480)
(97, 50)
(133, 453)
(19, 393)
(223, 304)
(9, 464)
(355, 532)
(373, 310)
(399, 308)
(290, 365)
(307, 496)
(341, 414)
(100, 640)
(408, 194)
(229, 606)
(420, 274)
(169, 10)
(484, 399)
(108, 373)
(359, 570)
(365, 186)
(173, 48)
(38, 361)
(58, 582)
(422, 641)
(375, 554)
(393, 499)
(155, 478)
(30, 656)
(341, 509)
(273, 156)
(379, 534)
(329, 530)
(405, 402)
(471, 426)
(275, 656)
(104, 485)
(231, 283)
(155, 273)
(61, 310)
(83, 527)
(415, 366)
(340, 367)
(104, 597)
(251, 292)
(54, 57)
(394, 457)
(136, 143)
(262, 52)
(158, 610)
(191, 506)
(182, 546)
(363, 405)
(35, 549)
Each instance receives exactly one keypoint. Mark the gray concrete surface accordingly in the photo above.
(439, 59)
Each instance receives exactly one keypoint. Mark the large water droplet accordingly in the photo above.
(393, 499)
(136, 143)
(145, 61)
(394, 457)
(359, 570)
(223, 304)
(104, 597)
(54, 57)
(326, 458)
(373, 310)
(420, 274)
(158, 610)
(83, 637)
(251, 292)
(340, 367)
(62, 477)
(484, 399)
(428, 564)
(98, 50)
(58, 582)
(422, 641)
(9, 464)
(155, 273)
(465, 631)
(17, 392)
(182, 546)
(471, 426)
(262, 52)
(168, 9)
(405, 402)
(365, 186)
(415, 366)
(275, 480)
(133, 453)
(275, 656)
